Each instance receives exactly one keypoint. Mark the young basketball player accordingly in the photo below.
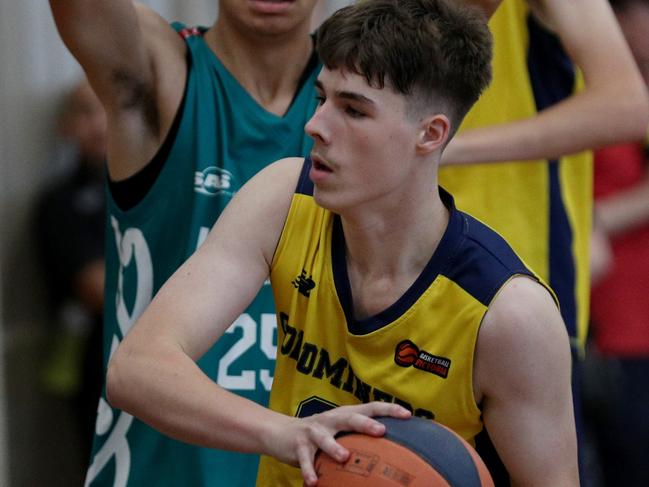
(390, 301)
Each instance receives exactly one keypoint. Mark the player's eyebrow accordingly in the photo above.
(349, 95)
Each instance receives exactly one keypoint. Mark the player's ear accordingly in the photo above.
(433, 133)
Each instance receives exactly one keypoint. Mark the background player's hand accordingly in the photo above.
(601, 253)
(302, 437)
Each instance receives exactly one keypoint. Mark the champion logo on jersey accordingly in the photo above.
(408, 354)
(214, 181)
(303, 283)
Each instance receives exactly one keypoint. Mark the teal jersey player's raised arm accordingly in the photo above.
(220, 138)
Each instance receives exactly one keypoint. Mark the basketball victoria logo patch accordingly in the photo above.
(408, 354)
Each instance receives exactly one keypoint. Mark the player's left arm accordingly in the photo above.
(522, 378)
(613, 106)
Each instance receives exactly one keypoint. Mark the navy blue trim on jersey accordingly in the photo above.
(483, 262)
(469, 253)
(438, 261)
(553, 78)
(304, 184)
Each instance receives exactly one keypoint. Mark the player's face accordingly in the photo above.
(268, 17)
(365, 145)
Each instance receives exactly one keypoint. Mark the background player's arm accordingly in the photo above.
(624, 211)
(613, 106)
(522, 377)
(153, 374)
(135, 63)
(614, 215)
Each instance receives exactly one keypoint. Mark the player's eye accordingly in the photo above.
(352, 112)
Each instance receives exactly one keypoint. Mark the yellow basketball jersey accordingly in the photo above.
(418, 352)
(542, 208)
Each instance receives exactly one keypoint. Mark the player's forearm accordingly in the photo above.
(589, 120)
(159, 384)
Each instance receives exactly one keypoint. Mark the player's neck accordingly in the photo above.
(269, 68)
(386, 255)
(393, 244)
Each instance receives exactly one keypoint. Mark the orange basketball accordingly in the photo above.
(413, 453)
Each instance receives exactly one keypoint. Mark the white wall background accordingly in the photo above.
(35, 69)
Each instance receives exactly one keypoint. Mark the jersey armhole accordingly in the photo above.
(304, 183)
(304, 187)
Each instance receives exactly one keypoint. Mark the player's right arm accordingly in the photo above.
(153, 374)
(135, 63)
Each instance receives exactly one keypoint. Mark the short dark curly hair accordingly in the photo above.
(432, 51)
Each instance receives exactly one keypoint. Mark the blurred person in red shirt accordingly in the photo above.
(620, 291)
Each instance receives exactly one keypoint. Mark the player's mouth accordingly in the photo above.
(320, 169)
(272, 6)
(321, 166)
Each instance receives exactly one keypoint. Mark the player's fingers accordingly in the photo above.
(361, 423)
(360, 418)
(378, 408)
(305, 459)
(327, 443)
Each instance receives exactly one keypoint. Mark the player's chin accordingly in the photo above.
(326, 198)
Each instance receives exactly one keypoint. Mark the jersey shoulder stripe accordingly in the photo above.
(483, 261)
(304, 184)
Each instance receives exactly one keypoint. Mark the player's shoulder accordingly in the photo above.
(524, 311)
(482, 260)
(288, 166)
(280, 177)
(520, 307)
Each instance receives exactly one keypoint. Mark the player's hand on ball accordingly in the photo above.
(304, 436)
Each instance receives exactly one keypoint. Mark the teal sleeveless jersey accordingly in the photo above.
(223, 138)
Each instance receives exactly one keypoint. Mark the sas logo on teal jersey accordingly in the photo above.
(408, 354)
(214, 181)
